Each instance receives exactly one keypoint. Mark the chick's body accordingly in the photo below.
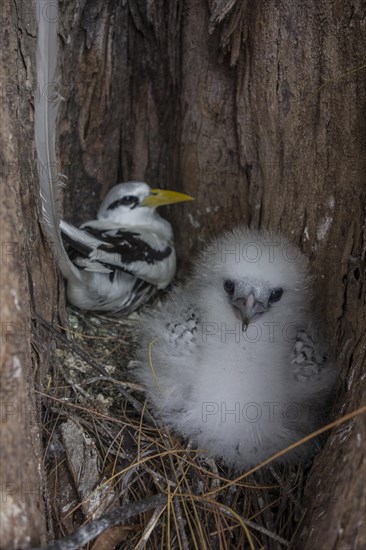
(229, 360)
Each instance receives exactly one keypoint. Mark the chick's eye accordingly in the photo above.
(276, 295)
(229, 286)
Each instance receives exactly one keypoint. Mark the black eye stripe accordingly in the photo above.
(128, 200)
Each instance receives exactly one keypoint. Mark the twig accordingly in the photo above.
(181, 522)
(150, 527)
(252, 525)
(90, 531)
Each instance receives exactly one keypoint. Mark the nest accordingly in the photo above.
(121, 480)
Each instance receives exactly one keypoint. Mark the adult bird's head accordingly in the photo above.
(135, 201)
(250, 275)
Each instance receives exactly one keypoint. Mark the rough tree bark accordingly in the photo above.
(258, 110)
(28, 285)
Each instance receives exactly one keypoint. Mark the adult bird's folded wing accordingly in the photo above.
(103, 248)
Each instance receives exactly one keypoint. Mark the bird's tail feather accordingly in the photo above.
(45, 117)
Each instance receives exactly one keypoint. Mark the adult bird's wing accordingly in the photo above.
(102, 248)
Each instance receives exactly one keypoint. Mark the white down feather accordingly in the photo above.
(238, 395)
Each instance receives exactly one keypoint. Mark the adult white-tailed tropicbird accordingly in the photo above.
(116, 262)
(126, 254)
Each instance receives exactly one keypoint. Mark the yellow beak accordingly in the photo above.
(158, 197)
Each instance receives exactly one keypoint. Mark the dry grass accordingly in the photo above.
(103, 449)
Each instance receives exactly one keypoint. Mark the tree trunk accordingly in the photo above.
(28, 286)
(258, 110)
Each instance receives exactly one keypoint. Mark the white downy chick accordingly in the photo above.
(230, 360)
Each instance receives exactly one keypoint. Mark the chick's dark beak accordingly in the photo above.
(246, 308)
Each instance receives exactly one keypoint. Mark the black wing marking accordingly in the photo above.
(140, 294)
(76, 248)
(122, 248)
(128, 245)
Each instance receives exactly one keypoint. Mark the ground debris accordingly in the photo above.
(106, 452)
